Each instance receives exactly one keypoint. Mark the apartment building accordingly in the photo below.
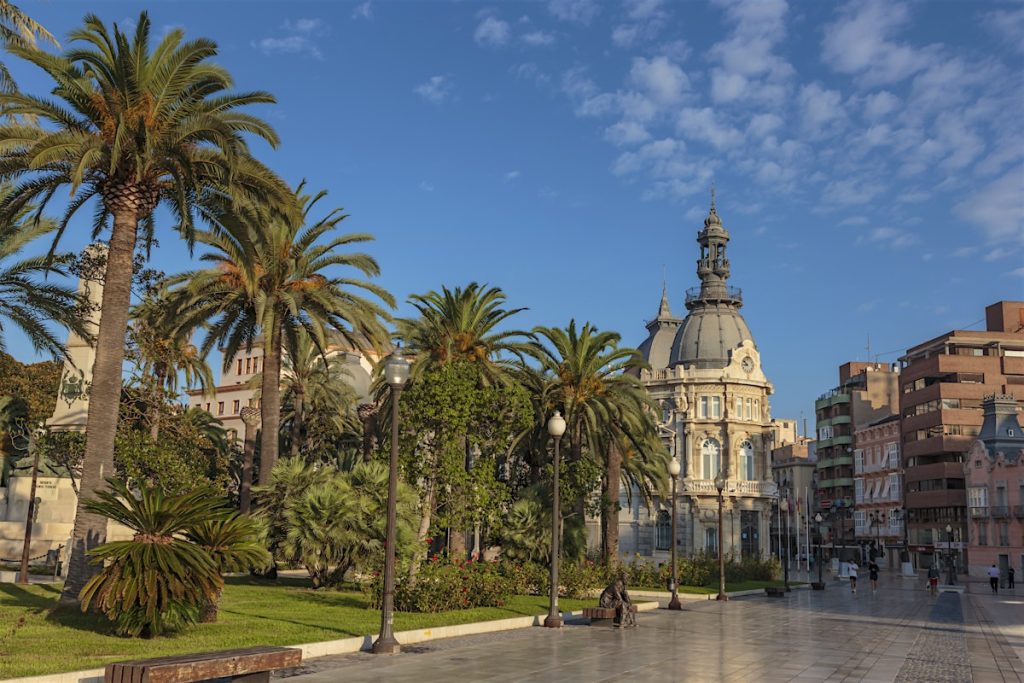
(944, 381)
(866, 393)
(878, 490)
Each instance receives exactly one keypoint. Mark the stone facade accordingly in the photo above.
(878, 489)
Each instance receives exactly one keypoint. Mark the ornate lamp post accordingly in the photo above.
(950, 562)
(556, 427)
(396, 373)
(720, 485)
(784, 505)
(251, 417)
(31, 434)
(674, 469)
(818, 519)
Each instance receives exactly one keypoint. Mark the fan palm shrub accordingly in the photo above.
(159, 580)
(128, 126)
(233, 544)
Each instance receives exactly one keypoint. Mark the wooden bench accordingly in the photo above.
(251, 665)
(775, 592)
(598, 614)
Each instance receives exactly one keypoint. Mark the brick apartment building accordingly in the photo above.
(943, 382)
(878, 490)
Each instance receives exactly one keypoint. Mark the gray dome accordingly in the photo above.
(708, 334)
(657, 348)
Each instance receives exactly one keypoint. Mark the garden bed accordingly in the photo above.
(38, 639)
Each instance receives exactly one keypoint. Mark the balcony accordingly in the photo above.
(1000, 511)
(842, 440)
(841, 420)
(1018, 511)
(834, 462)
(979, 513)
(706, 487)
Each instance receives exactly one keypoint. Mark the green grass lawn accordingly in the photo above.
(37, 638)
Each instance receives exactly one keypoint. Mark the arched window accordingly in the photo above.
(711, 458)
(666, 411)
(663, 531)
(747, 461)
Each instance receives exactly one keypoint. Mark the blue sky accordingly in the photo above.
(869, 156)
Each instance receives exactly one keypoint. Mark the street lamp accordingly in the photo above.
(950, 563)
(720, 485)
(251, 418)
(396, 373)
(674, 469)
(556, 427)
(784, 505)
(818, 519)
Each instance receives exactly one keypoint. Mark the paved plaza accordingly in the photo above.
(898, 634)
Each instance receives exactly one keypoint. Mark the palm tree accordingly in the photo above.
(268, 277)
(596, 384)
(131, 127)
(461, 324)
(31, 303)
(15, 25)
(232, 543)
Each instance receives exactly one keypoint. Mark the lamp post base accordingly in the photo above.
(674, 602)
(552, 622)
(386, 646)
(722, 596)
(818, 586)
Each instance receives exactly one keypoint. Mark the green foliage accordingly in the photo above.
(232, 542)
(158, 580)
(34, 383)
(525, 536)
(441, 586)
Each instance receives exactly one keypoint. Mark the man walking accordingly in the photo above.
(873, 575)
(933, 578)
(993, 578)
(1009, 577)
(852, 568)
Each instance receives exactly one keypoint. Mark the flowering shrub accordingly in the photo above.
(441, 586)
(578, 579)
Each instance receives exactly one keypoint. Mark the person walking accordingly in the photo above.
(933, 578)
(993, 578)
(1009, 577)
(873, 575)
(852, 568)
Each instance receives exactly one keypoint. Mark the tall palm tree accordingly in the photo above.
(273, 277)
(596, 384)
(15, 26)
(462, 324)
(132, 126)
(27, 300)
(165, 352)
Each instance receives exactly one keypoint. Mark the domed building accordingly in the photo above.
(706, 376)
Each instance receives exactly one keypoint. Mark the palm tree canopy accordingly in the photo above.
(27, 299)
(164, 348)
(462, 324)
(134, 126)
(15, 25)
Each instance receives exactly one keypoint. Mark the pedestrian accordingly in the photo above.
(852, 568)
(933, 578)
(993, 578)
(873, 575)
(1009, 577)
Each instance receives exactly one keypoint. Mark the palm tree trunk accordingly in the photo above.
(296, 434)
(209, 615)
(368, 416)
(154, 422)
(270, 406)
(425, 518)
(104, 398)
(610, 505)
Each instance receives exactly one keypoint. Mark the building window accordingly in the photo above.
(663, 531)
(977, 497)
(858, 490)
(716, 407)
(239, 367)
(757, 410)
(894, 486)
(892, 452)
(747, 461)
(711, 458)
(711, 541)
(858, 461)
(739, 408)
(1004, 533)
(248, 365)
(207, 407)
(234, 407)
(702, 407)
(983, 533)
(220, 407)
(749, 403)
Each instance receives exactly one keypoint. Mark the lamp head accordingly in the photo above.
(556, 425)
(396, 369)
(818, 518)
(674, 468)
(949, 528)
(720, 481)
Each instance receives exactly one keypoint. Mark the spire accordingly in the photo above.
(713, 264)
(663, 310)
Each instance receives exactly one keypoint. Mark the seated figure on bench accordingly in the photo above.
(616, 597)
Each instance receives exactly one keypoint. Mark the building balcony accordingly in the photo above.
(842, 420)
(1000, 511)
(836, 461)
(937, 499)
(1018, 511)
(842, 440)
(823, 444)
(979, 512)
(706, 487)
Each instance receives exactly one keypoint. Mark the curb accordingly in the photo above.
(360, 643)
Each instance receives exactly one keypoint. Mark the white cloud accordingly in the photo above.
(492, 32)
(300, 38)
(1008, 25)
(821, 110)
(854, 220)
(1017, 272)
(747, 67)
(880, 104)
(626, 133)
(661, 79)
(511, 175)
(763, 124)
(363, 11)
(529, 71)
(998, 208)
(644, 9)
(701, 124)
(435, 89)
(538, 38)
(964, 252)
(625, 35)
(849, 191)
(576, 11)
(858, 43)
(892, 237)
(305, 25)
(426, 186)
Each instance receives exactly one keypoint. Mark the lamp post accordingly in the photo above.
(674, 469)
(818, 519)
(556, 427)
(720, 485)
(950, 563)
(396, 373)
(784, 505)
(250, 417)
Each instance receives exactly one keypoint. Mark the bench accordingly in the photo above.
(597, 614)
(251, 665)
(775, 592)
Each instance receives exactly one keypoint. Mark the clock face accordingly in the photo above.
(748, 364)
